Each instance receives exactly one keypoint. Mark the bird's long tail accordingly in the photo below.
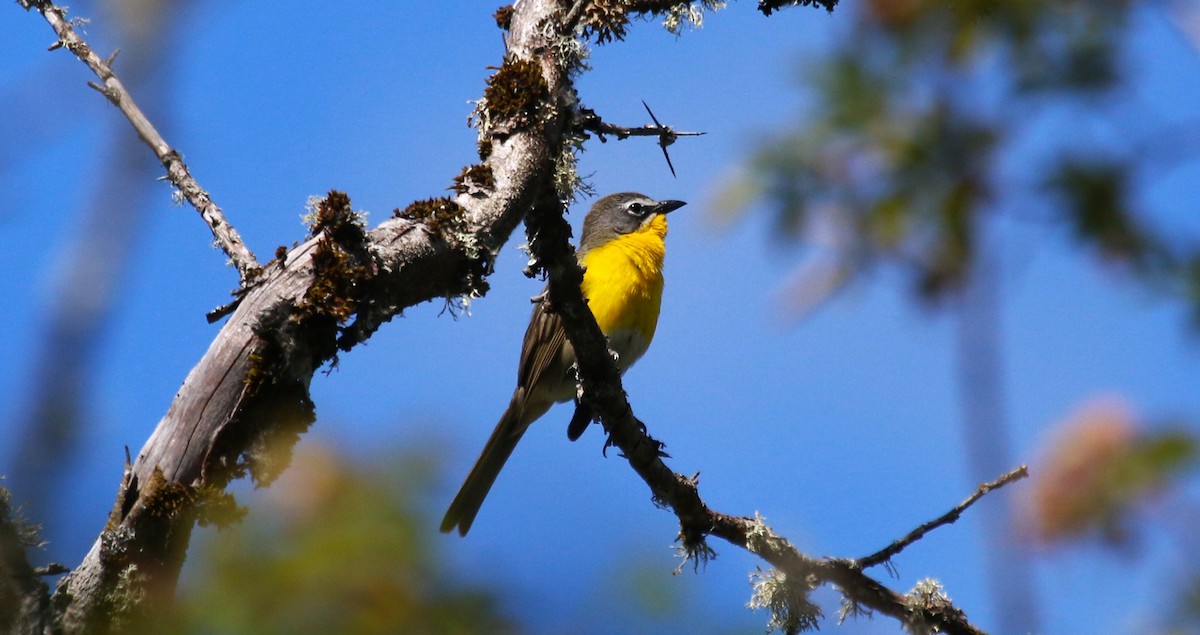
(479, 482)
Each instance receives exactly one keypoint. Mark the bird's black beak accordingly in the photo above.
(666, 207)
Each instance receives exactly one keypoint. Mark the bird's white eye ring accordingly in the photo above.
(637, 209)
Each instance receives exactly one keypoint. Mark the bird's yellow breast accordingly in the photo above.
(623, 283)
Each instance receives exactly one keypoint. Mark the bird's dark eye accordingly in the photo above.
(637, 209)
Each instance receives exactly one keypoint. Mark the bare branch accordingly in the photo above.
(885, 554)
(112, 88)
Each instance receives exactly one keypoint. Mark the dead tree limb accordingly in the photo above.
(334, 290)
(326, 295)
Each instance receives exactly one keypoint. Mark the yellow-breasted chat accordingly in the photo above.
(622, 251)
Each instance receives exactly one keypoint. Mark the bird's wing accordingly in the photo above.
(542, 349)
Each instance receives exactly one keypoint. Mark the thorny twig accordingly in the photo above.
(588, 120)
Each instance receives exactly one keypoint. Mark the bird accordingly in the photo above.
(621, 251)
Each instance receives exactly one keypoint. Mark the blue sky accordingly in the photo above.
(842, 429)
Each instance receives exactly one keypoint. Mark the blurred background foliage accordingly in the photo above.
(1101, 465)
(335, 546)
(346, 545)
(924, 136)
(907, 145)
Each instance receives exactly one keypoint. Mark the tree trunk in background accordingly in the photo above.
(986, 433)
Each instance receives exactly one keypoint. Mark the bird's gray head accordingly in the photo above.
(618, 214)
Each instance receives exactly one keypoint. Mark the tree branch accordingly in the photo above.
(177, 172)
(887, 553)
(250, 389)
(603, 393)
(334, 290)
(589, 121)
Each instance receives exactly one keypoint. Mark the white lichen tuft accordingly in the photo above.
(928, 594)
(469, 242)
(309, 217)
(926, 598)
(689, 14)
(567, 181)
(786, 601)
(569, 49)
(758, 536)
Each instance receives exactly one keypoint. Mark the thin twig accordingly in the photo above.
(177, 172)
(886, 554)
(588, 120)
